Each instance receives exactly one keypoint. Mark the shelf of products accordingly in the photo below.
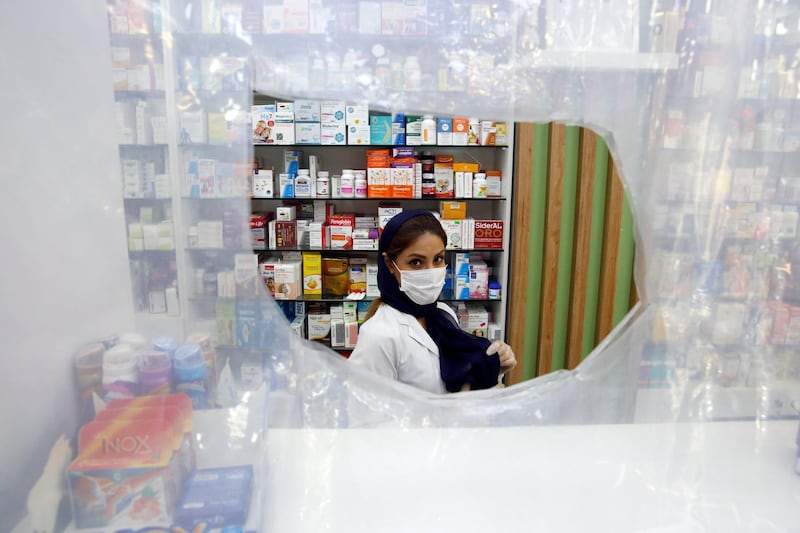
(725, 228)
(314, 229)
(145, 156)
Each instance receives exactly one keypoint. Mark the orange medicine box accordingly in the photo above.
(125, 470)
(178, 400)
(453, 210)
(183, 446)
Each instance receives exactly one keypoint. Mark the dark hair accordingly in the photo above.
(408, 232)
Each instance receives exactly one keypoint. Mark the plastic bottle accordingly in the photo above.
(396, 75)
(120, 375)
(137, 341)
(191, 374)
(155, 373)
(428, 129)
(360, 183)
(494, 289)
(428, 178)
(302, 184)
(165, 344)
(323, 184)
(348, 183)
(383, 73)
(479, 185)
(412, 74)
(89, 368)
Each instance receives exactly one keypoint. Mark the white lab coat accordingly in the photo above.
(395, 345)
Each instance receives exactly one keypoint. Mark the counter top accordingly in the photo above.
(721, 476)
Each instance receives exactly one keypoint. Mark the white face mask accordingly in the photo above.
(422, 286)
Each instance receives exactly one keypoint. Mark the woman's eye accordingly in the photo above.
(415, 262)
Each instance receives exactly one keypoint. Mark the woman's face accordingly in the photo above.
(425, 252)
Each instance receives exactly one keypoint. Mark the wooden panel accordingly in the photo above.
(552, 232)
(536, 239)
(520, 222)
(583, 230)
(608, 268)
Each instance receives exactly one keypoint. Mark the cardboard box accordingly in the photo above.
(488, 234)
(121, 463)
(263, 121)
(358, 134)
(312, 274)
(402, 180)
(444, 131)
(306, 110)
(460, 131)
(285, 233)
(308, 133)
(380, 129)
(358, 275)
(258, 232)
(288, 280)
(453, 230)
(263, 183)
(453, 210)
(335, 276)
(357, 115)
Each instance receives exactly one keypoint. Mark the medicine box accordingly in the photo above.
(332, 111)
(288, 280)
(121, 464)
(319, 326)
(334, 133)
(306, 110)
(453, 230)
(263, 183)
(453, 210)
(357, 115)
(358, 134)
(308, 133)
(489, 234)
(219, 496)
(380, 129)
(358, 275)
(335, 276)
(444, 131)
(312, 274)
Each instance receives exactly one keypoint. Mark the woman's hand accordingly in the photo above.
(506, 354)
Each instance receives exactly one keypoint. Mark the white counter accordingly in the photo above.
(725, 476)
(715, 477)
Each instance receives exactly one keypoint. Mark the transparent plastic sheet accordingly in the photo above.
(682, 418)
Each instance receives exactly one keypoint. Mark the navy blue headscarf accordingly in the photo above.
(462, 356)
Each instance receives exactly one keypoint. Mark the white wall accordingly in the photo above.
(64, 268)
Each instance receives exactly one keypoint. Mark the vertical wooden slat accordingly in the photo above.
(608, 267)
(595, 247)
(566, 242)
(522, 229)
(583, 232)
(536, 245)
(552, 232)
(622, 286)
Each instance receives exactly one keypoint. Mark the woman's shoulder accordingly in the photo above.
(447, 309)
(385, 317)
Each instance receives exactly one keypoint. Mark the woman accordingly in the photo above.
(408, 335)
